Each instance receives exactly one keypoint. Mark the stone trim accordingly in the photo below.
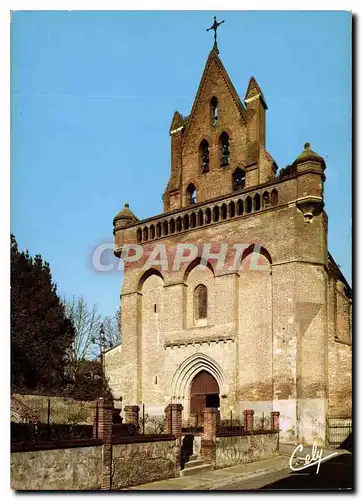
(166, 285)
(185, 373)
(203, 340)
(293, 261)
(344, 342)
(144, 439)
(189, 211)
(177, 130)
(246, 433)
(220, 274)
(54, 445)
(131, 293)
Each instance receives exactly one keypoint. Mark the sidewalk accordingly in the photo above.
(243, 476)
(219, 478)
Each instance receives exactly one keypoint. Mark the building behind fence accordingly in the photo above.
(123, 452)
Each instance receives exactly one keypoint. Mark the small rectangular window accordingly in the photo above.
(155, 308)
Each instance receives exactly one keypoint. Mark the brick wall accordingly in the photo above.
(268, 333)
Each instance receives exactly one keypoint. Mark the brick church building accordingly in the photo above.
(264, 321)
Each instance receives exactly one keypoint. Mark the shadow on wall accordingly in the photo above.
(186, 450)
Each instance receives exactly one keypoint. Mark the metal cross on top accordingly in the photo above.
(215, 27)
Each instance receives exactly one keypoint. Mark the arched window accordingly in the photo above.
(193, 220)
(165, 228)
(248, 205)
(216, 213)
(257, 202)
(231, 209)
(158, 230)
(200, 302)
(214, 111)
(224, 149)
(191, 194)
(208, 216)
(201, 218)
(186, 222)
(274, 197)
(265, 199)
(178, 224)
(204, 156)
(172, 226)
(139, 235)
(224, 211)
(152, 232)
(238, 179)
(240, 206)
(145, 233)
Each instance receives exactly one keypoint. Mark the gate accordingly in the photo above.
(338, 429)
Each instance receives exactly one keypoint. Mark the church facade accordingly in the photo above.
(230, 297)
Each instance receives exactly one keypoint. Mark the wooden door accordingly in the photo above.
(204, 393)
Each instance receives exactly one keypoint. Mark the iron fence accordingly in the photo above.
(150, 424)
(230, 425)
(198, 429)
(123, 430)
(36, 418)
(23, 432)
(338, 430)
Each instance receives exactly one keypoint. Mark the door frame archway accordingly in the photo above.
(186, 372)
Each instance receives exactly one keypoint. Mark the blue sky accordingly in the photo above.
(92, 99)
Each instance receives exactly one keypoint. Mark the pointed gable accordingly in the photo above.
(254, 91)
(177, 121)
(215, 70)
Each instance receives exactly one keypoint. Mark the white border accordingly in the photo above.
(210, 5)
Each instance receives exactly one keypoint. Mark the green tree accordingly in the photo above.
(40, 331)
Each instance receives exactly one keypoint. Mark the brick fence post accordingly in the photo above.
(275, 424)
(168, 420)
(105, 423)
(249, 420)
(208, 439)
(95, 407)
(275, 420)
(176, 419)
(131, 414)
(173, 425)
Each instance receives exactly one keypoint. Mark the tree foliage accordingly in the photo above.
(89, 382)
(40, 332)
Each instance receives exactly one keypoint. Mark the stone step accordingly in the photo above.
(196, 470)
(194, 457)
(193, 463)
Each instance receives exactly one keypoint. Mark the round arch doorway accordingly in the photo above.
(204, 393)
